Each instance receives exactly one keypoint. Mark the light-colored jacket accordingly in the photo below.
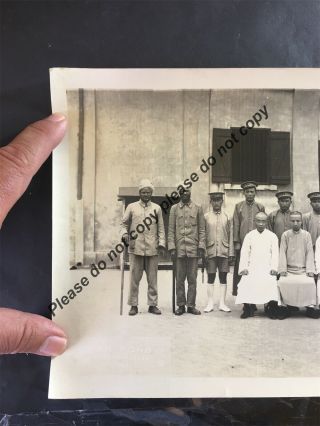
(137, 218)
(186, 231)
(219, 235)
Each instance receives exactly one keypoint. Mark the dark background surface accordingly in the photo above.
(37, 35)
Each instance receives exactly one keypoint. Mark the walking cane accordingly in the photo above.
(173, 284)
(122, 279)
(202, 269)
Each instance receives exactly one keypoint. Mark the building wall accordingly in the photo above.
(232, 108)
(305, 156)
(130, 135)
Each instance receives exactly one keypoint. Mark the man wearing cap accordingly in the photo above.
(311, 220)
(144, 246)
(219, 249)
(186, 243)
(297, 268)
(258, 267)
(243, 222)
(279, 220)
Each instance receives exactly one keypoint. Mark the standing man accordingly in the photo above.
(317, 258)
(219, 249)
(279, 220)
(186, 242)
(311, 220)
(297, 268)
(258, 267)
(243, 222)
(145, 246)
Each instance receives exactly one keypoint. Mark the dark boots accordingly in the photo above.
(248, 310)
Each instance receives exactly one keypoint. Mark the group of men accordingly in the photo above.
(276, 257)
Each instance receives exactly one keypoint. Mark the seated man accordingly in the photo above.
(296, 268)
(258, 266)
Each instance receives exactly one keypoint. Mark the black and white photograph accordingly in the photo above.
(186, 225)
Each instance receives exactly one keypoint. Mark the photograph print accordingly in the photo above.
(193, 225)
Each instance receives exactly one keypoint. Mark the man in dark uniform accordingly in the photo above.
(311, 220)
(186, 243)
(279, 220)
(244, 222)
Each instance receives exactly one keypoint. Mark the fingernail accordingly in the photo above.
(53, 346)
(57, 116)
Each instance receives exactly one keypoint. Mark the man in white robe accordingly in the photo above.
(258, 266)
(297, 268)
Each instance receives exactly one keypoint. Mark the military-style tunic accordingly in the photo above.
(147, 242)
(219, 235)
(186, 232)
(243, 219)
(279, 222)
(311, 223)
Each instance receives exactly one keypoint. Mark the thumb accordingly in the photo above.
(21, 332)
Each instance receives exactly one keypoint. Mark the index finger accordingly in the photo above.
(22, 158)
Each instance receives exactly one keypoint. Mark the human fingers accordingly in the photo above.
(21, 332)
(22, 158)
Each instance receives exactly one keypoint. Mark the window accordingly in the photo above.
(262, 155)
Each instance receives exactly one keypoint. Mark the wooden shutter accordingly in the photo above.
(221, 171)
(279, 158)
(249, 160)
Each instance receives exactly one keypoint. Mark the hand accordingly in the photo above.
(161, 251)
(231, 260)
(21, 332)
(173, 254)
(244, 272)
(237, 246)
(125, 239)
(273, 272)
(310, 274)
(283, 274)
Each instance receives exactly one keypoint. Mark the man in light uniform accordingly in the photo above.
(219, 249)
(296, 268)
(311, 220)
(258, 268)
(244, 222)
(279, 220)
(186, 243)
(145, 246)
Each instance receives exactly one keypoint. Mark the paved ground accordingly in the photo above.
(217, 344)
